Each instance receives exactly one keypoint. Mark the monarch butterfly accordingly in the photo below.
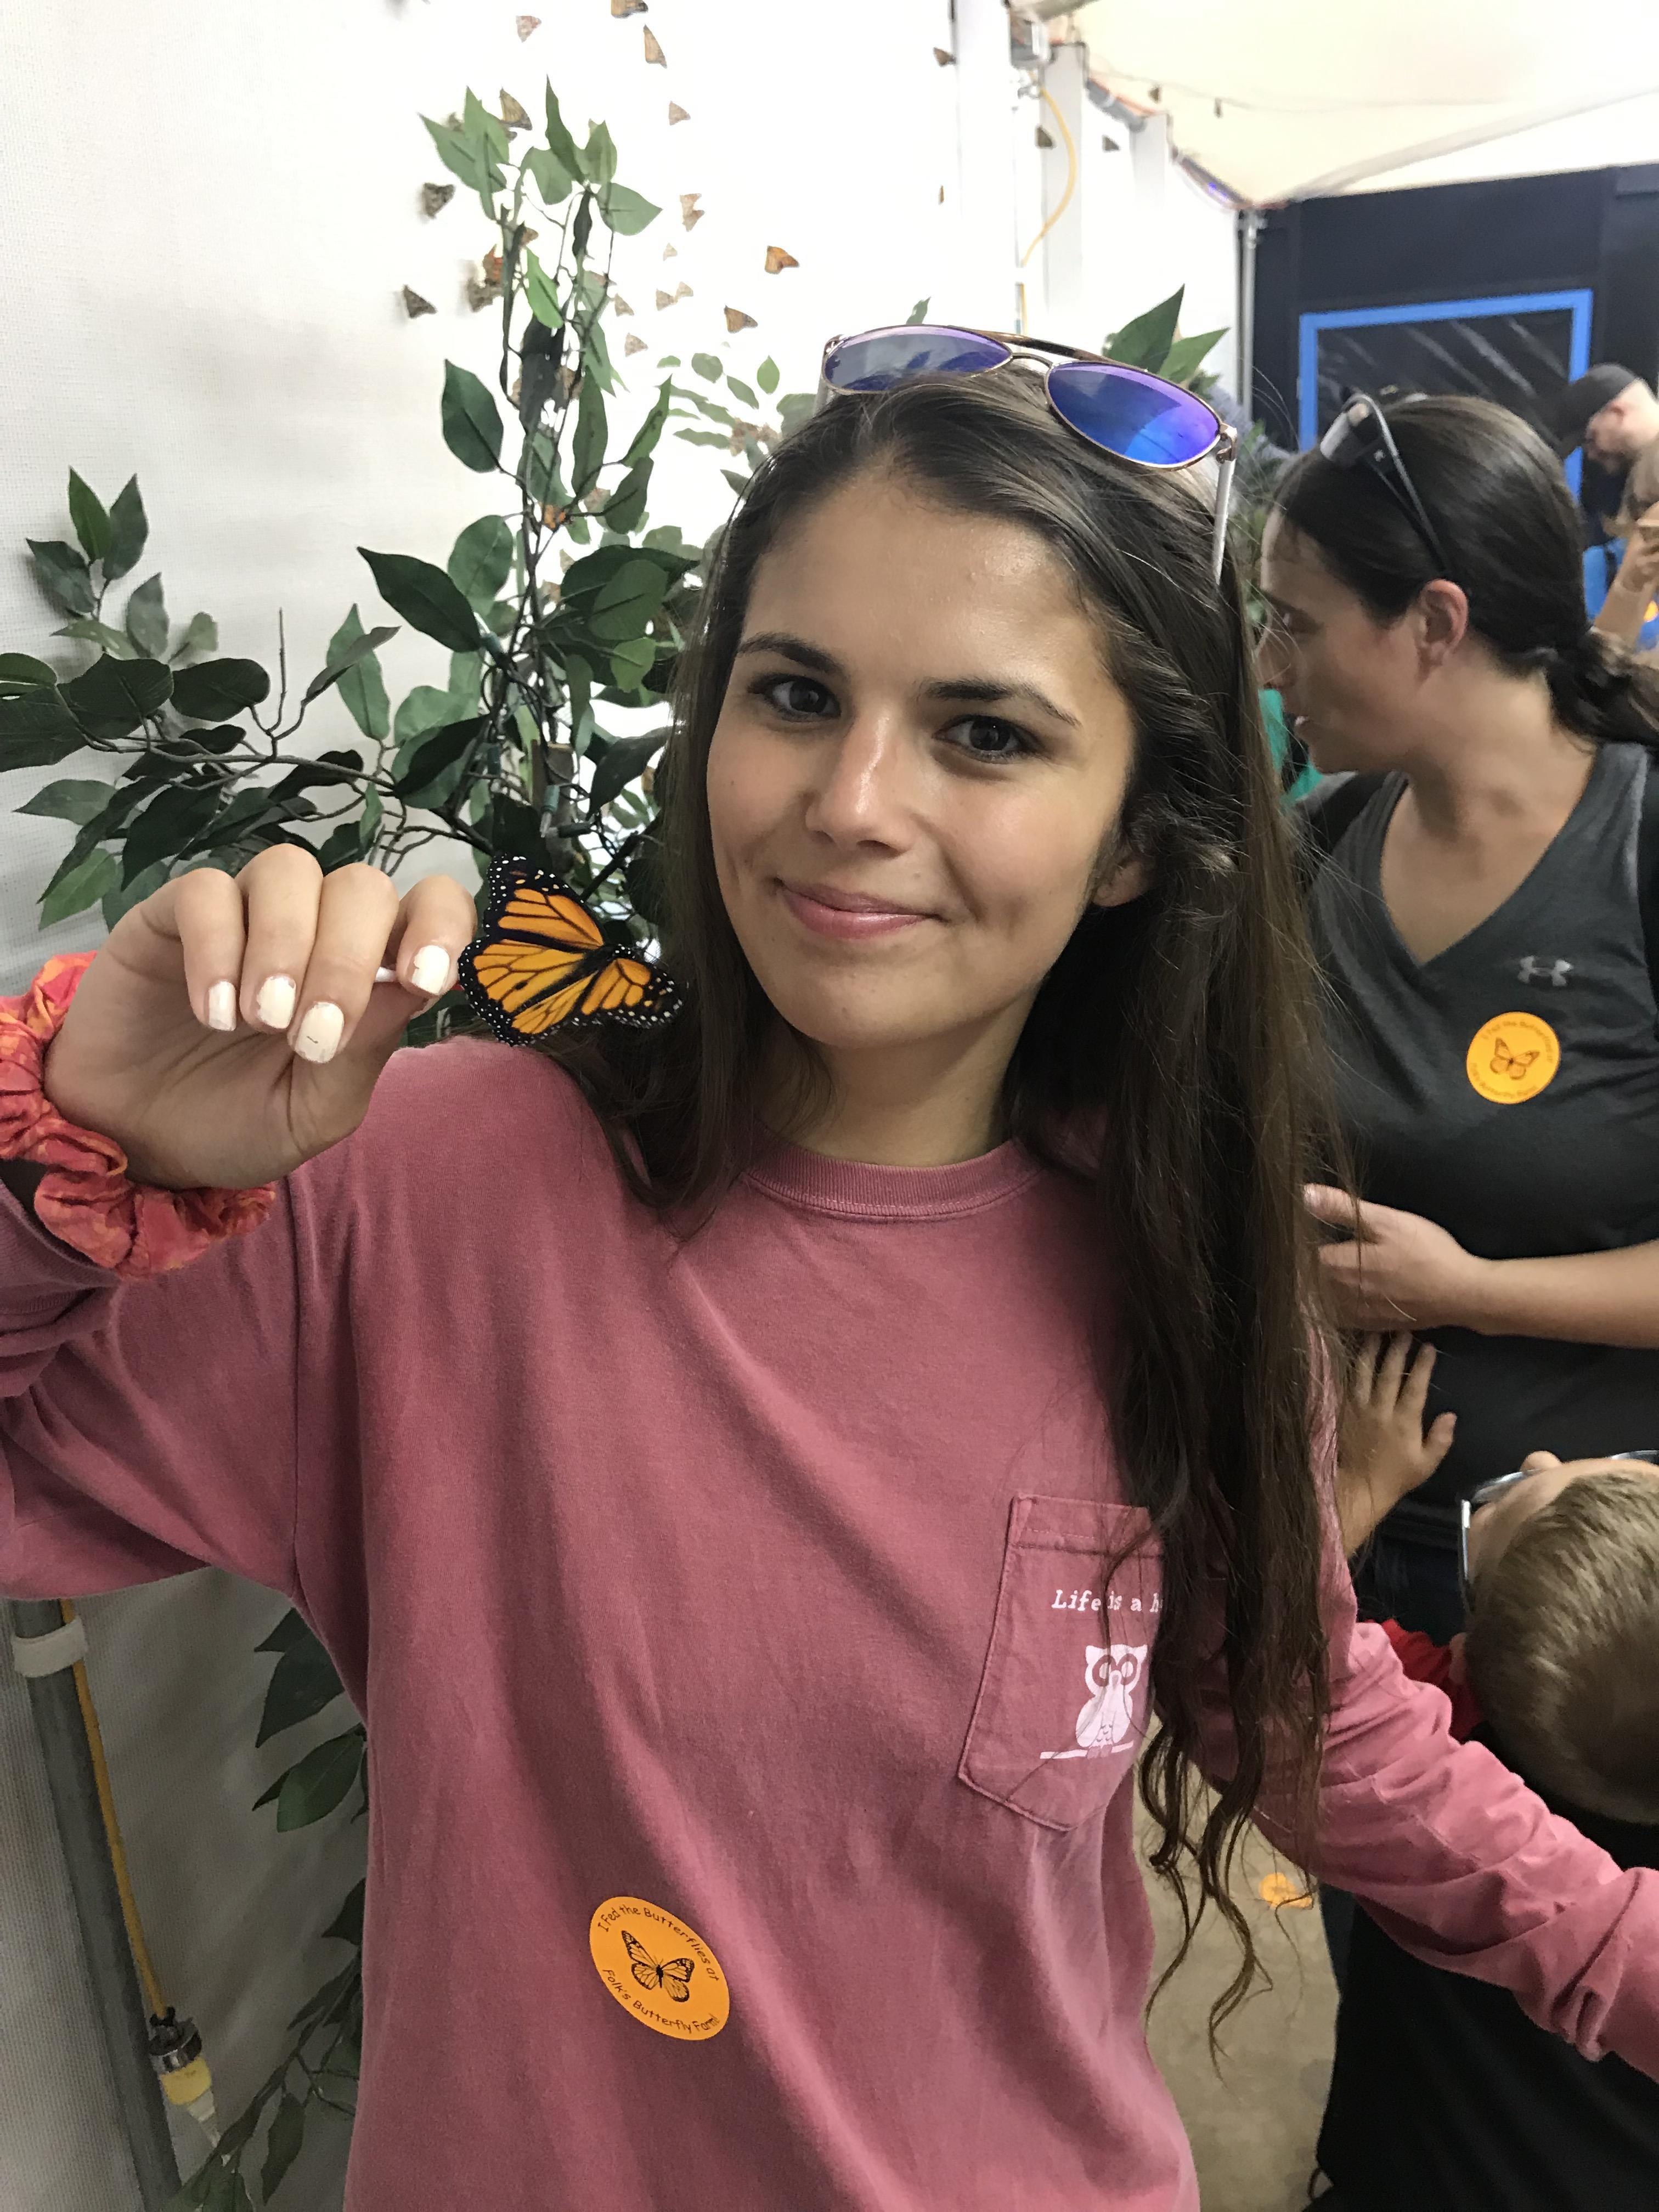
(1512, 1064)
(674, 1975)
(541, 962)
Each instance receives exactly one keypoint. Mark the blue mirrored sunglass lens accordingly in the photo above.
(882, 358)
(1139, 417)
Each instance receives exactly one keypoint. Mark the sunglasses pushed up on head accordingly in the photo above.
(1126, 412)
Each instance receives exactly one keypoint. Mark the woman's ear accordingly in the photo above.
(1123, 877)
(1442, 618)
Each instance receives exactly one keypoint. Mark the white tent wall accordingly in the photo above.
(242, 188)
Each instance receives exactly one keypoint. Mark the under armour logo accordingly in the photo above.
(1534, 971)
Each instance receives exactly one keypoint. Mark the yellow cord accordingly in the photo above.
(117, 1852)
(1071, 176)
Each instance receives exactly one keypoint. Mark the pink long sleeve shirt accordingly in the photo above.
(733, 1610)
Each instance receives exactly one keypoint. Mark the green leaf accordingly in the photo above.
(627, 759)
(90, 880)
(129, 531)
(587, 446)
(68, 802)
(369, 821)
(628, 604)
(89, 631)
(347, 1926)
(147, 618)
(746, 392)
(561, 144)
(767, 375)
(424, 597)
(362, 687)
(553, 179)
(282, 2144)
(625, 508)
(173, 819)
(540, 296)
(919, 313)
(121, 900)
(21, 671)
(302, 1684)
(599, 155)
(472, 421)
(201, 636)
(427, 708)
(582, 228)
(540, 471)
(1145, 342)
(334, 769)
(311, 1789)
(1185, 356)
(88, 513)
(630, 663)
(461, 154)
(288, 1632)
(795, 407)
(626, 212)
(63, 573)
(441, 751)
(707, 365)
(648, 436)
(213, 690)
(113, 697)
(704, 437)
(481, 560)
(483, 128)
(339, 663)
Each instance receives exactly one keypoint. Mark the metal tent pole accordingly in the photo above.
(98, 1908)
(1249, 223)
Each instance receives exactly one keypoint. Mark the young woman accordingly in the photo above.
(760, 1481)
(1480, 925)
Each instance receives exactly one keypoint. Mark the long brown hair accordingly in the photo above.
(1167, 1065)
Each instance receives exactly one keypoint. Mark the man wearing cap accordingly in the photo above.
(1615, 415)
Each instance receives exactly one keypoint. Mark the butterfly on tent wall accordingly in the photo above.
(541, 963)
(674, 1975)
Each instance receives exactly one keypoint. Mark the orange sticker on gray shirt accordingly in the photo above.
(1512, 1058)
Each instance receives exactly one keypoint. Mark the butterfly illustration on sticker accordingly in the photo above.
(673, 1975)
(777, 258)
(513, 114)
(677, 113)
(541, 962)
(435, 199)
(631, 344)
(737, 320)
(627, 6)
(1512, 1064)
(691, 213)
(414, 305)
(654, 52)
(526, 24)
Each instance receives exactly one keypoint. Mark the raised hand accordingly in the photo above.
(233, 1027)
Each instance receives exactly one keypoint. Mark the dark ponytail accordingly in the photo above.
(1501, 508)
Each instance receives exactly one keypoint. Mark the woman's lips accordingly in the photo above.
(829, 913)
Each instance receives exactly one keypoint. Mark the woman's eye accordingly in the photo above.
(798, 697)
(982, 737)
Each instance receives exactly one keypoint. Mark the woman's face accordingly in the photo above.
(1350, 682)
(916, 776)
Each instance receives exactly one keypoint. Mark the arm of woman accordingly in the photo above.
(1631, 592)
(1401, 1272)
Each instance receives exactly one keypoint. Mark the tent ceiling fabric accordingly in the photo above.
(1313, 100)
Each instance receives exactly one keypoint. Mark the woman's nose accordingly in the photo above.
(863, 793)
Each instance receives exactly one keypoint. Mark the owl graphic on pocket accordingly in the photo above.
(1112, 1673)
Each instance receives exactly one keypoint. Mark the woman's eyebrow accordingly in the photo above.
(792, 648)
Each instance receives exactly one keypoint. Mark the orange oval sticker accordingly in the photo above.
(1512, 1058)
(658, 1969)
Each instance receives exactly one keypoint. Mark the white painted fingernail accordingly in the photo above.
(221, 1006)
(275, 1004)
(429, 971)
(320, 1033)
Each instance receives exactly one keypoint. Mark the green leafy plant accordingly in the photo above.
(1150, 341)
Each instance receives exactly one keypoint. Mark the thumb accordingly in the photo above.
(1535, 1462)
(1326, 1203)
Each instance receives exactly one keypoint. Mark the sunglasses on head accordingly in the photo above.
(1126, 412)
(1360, 439)
(1485, 1493)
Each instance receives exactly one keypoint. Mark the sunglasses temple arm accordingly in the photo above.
(1224, 498)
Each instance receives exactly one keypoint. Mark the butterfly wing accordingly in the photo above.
(643, 1967)
(677, 1979)
(540, 963)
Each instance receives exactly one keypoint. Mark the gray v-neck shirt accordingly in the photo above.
(1440, 1067)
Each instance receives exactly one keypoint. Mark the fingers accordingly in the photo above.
(1414, 1392)
(435, 923)
(1362, 1376)
(1442, 1436)
(205, 912)
(1535, 1462)
(1333, 1207)
(1391, 1372)
(356, 907)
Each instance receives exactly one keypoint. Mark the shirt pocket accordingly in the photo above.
(1063, 1701)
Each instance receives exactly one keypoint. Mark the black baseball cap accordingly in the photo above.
(1586, 395)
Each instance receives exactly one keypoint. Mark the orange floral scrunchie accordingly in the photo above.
(86, 1198)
